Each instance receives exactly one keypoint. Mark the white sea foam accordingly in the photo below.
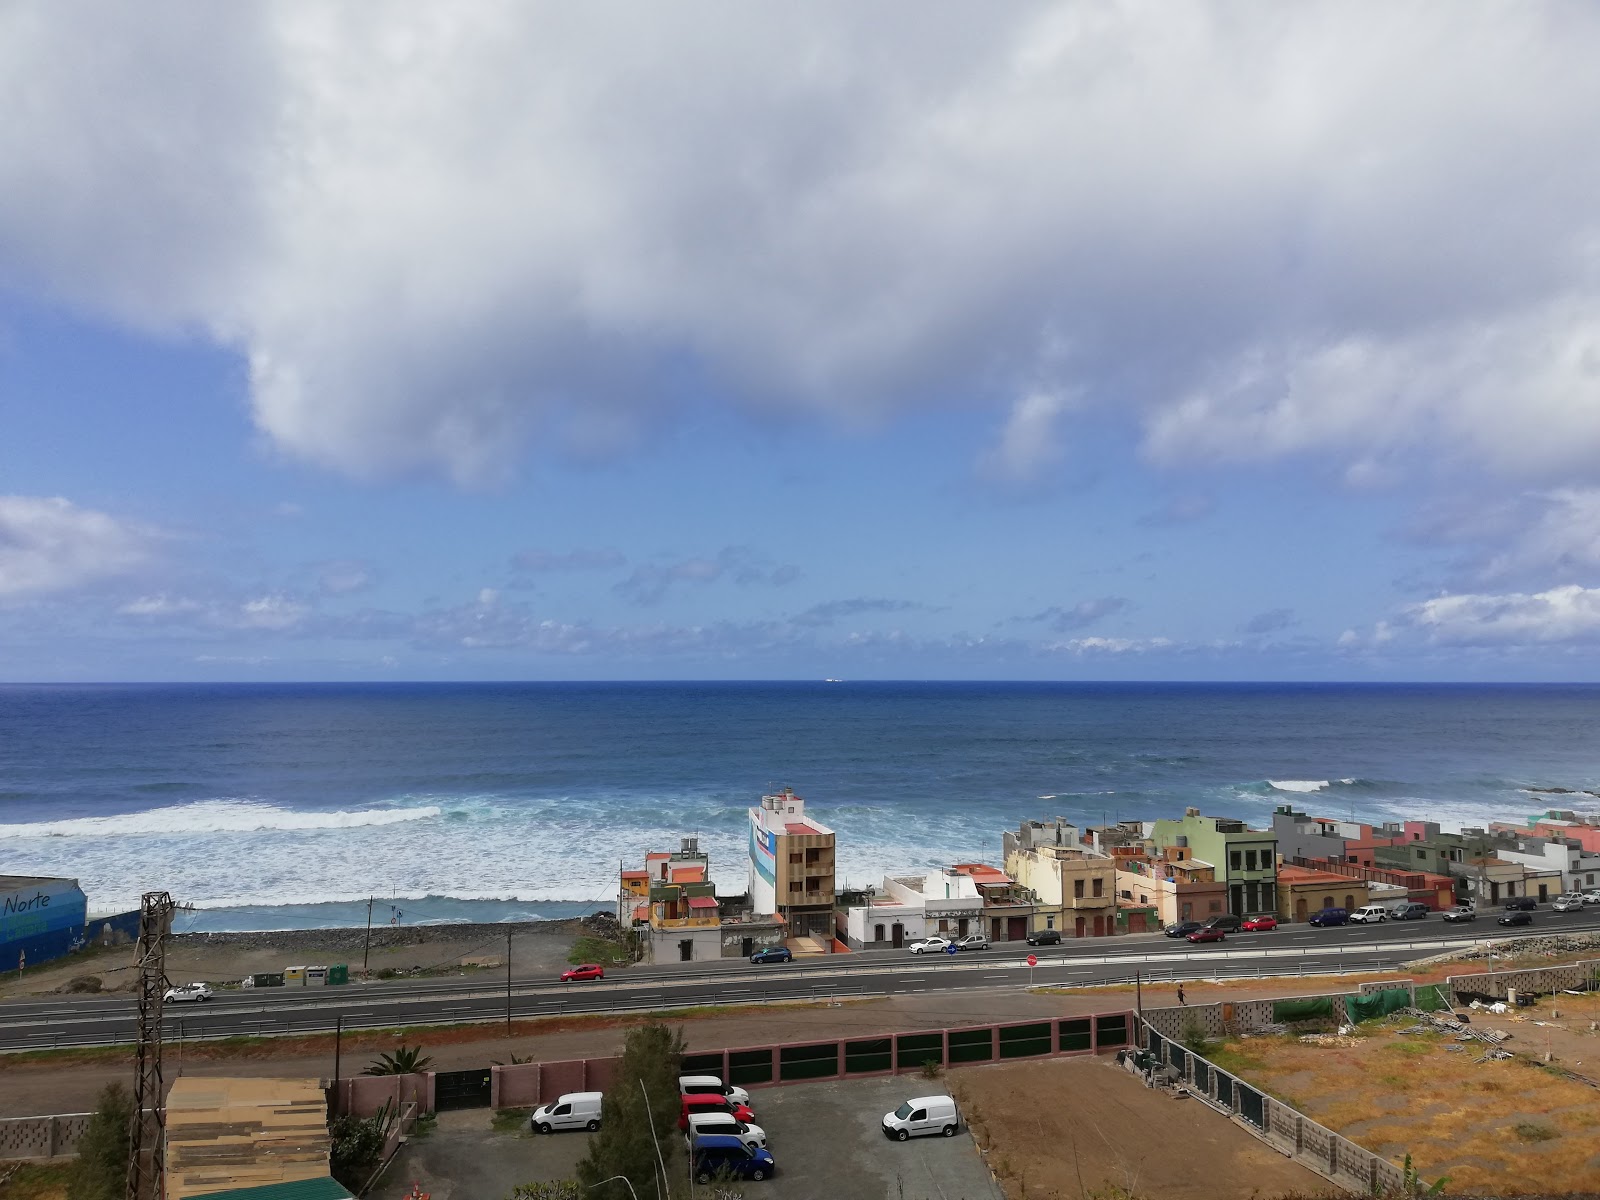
(213, 816)
(1301, 785)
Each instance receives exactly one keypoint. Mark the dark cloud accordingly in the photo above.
(1271, 621)
(742, 565)
(1081, 615)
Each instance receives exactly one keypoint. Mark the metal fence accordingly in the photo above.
(1352, 1167)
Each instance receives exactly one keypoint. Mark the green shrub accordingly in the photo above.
(100, 1171)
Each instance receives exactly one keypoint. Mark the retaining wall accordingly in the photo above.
(1541, 980)
(42, 1137)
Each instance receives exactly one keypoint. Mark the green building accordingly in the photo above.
(1245, 859)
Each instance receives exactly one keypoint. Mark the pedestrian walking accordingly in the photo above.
(1181, 1000)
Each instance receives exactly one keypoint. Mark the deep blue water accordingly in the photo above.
(290, 805)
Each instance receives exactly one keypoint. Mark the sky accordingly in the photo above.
(527, 340)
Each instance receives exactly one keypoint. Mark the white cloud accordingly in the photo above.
(1563, 614)
(160, 605)
(1109, 645)
(436, 232)
(273, 613)
(582, 559)
(344, 576)
(50, 545)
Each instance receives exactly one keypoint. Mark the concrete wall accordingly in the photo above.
(364, 1095)
(1538, 981)
(42, 1137)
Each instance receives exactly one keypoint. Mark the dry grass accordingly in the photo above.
(1503, 1125)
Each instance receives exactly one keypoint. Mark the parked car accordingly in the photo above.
(197, 993)
(1207, 933)
(700, 1102)
(1329, 916)
(708, 1085)
(1592, 897)
(575, 1110)
(973, 941)
(586, 971)
(1181, 929)
(1226, 922)
(1370, 914)
(1521, 904)
(1045, 937)
(773, 954)
(1517, 916)
(1257, 924)
(922, 1115)
(1461, 912)
(1408, 911)
(1569, 903)
(930, 945)
(717, 1153)
(724, 1124)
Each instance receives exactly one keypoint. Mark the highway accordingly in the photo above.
(1290, 950)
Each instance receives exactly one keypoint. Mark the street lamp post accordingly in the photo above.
(613, 1179)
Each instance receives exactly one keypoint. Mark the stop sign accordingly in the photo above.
(1033, 960)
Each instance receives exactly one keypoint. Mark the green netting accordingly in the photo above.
(867, 1055)
(1432, 998)
(1075, 1034)
(1302, 1009)
(1111, 1030)
(915, 1049)
(1377, 1004)
(971, 1045)
(808, 1062)
(750, 1066)
(702, 1064)
(1023, 1041)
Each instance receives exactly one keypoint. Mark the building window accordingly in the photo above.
(796, 857)
(1327, 902)
(1050, 922)
(1422, 855)
(1249, 860)
(1099, 887)
(1235, 860)
(944, 925)
(1077, 889)
(877, 933)
(794, 886)
(813, 857)
(1143, 899)
(1349, 902)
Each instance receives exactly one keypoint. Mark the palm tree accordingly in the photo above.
(406, 1060)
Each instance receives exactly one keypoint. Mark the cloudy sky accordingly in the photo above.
(526, 340)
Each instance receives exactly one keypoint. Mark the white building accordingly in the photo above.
(909, 907)
(1556, 865)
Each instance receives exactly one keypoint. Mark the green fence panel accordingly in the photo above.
(808, 1062)
(702, 1064)
(750, 1066)
(915, 1049)
(971, 1045)
(1076, 1034)
(1025, 1041)
(875, 1054)
(1377, 1004)
(1303, 1009)
(1111, 1030)
(1432, 998)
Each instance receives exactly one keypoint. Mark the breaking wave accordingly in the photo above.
(214, 816)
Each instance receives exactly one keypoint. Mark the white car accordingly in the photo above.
(1591, 897)
(930, 945)
(197, 992)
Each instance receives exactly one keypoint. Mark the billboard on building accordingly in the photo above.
(763, 866)
(40, 919)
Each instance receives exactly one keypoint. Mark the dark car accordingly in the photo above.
(773, 954)
(1181, 929)
(1207, 933)
(1521, 904)
(1517, 917)
(1045, 937)
(717, 1154)
(1330, 916)
(1227, 922)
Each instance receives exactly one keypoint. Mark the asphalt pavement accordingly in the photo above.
(1289, 950)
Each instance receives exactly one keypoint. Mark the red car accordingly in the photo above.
(1206, 934)
(1264, 921)
(587, 971)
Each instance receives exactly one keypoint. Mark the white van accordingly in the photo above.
(575, 1110)
(1370, 914)
(920, 1115)
(724, 1123)
(711, 1085)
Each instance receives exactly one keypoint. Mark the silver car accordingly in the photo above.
(1460, 912)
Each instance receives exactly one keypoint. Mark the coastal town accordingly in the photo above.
(1092, 881)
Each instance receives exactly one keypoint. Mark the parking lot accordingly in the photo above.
(826, 1138)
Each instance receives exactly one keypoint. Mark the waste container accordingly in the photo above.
(294, 976)
(338, 973)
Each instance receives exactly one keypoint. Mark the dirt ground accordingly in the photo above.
(538, 949)
(1505, 1126)
(1081, 1127)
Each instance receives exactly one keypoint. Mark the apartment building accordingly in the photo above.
(792, 866)
(1246, 860)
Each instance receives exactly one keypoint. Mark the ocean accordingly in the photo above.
(294, 806)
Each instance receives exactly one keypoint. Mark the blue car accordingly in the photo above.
(718, 1152)
(772, 954)
(1330, 916)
